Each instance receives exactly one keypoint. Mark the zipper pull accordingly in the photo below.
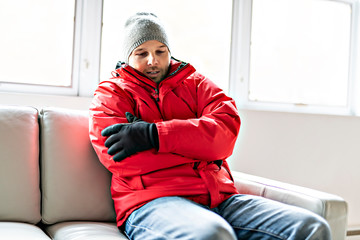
(156, 95)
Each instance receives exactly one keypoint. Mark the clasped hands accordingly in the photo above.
(126, 139)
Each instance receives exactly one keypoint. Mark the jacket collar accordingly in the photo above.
(178, 70)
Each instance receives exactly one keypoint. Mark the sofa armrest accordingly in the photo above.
(329, 206)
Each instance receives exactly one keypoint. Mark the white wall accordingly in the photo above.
(316, 151)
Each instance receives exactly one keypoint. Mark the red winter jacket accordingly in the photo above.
(197, 125)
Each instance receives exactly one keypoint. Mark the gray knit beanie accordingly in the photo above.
(140, 28)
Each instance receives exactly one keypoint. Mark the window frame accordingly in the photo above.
(87, 55)
(240, 65)
(85, 65)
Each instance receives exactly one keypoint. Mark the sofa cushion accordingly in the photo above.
(19, 164)
(84, 231)
(12, 230)
(75, 185)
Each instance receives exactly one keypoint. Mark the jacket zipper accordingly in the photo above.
(156, 94)
(156, 90)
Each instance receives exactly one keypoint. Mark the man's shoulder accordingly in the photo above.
(114, 86)
(110, 83)
(115, 82)
(195, 78)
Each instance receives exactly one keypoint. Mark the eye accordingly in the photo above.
(141, 54)
(160, 52)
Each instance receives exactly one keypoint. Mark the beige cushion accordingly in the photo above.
(85, 231)
(19, 164)
(21, 231)
(75, 185)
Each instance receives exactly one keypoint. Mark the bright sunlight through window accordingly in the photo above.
(300, 52)
(36, 44)
(199, 34)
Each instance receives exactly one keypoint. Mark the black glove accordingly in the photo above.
(126, 139)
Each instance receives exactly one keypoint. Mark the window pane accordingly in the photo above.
(37, 41)
(300, 52)
(199, 33)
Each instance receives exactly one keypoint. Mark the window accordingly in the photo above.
(292, 55)
(300, 54)
(295, 54)
(37, 42)
(199, 33)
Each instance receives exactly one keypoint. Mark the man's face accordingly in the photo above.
(151, 58)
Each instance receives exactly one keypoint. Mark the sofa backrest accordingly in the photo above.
(19, 164)
(75, 185)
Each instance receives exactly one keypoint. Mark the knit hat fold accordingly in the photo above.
(140, 28)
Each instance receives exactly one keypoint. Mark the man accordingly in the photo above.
(165, 131)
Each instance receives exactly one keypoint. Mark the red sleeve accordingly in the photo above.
(212, 135)
(108, 107)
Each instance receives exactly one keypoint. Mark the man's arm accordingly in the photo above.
(210, 136)
(126, 139)
(108, 107)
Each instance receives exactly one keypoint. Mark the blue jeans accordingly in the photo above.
(239, 217)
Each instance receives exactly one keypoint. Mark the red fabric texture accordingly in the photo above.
(197, 125)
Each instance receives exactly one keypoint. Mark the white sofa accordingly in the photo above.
(52, 185)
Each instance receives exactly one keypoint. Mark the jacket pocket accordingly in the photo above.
(133, 183)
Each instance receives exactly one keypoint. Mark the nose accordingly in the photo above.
(152, 60)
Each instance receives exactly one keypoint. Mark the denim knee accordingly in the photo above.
(216, 231)
(315, 227)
